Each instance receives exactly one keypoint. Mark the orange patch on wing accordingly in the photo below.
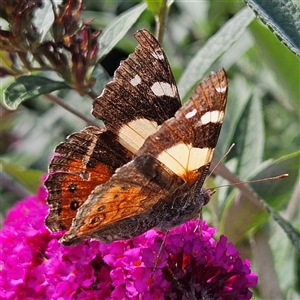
(190, 177)
(117, 203)
(76, 187)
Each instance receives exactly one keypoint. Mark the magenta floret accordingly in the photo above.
(34, 265)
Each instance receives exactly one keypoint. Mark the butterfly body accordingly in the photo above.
(147, 168)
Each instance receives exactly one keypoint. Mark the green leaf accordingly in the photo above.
(29, 178)
(250, 138)
(240, 93)
(251, 213)
(274, 191)
(101, 77)
(98, 19)
(118, 28)
(154, 6)
(214, 48)
(283, 19)
(27, 87)
(284, 64)
(291, 232)
(44, 17)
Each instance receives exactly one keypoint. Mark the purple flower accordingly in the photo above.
(34, 265)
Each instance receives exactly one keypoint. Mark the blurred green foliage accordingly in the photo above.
(262, 118)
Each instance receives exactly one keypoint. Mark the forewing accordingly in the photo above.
(142, 95)
(185, 143)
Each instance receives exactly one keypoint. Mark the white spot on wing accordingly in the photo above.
(163, 89)
(214, 116)
(157, 55)
(133, 135)
(191, 114)
(221, 89)
(136, 80)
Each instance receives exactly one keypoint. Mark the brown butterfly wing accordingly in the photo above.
(186, 142)
(142, 95)
(87, 160)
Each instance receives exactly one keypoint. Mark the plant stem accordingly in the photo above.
(262, 254)
(13, 186)
(161, 20)
(222, 171)
(59, 102)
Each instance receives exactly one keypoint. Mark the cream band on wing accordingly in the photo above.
(199, 157)
(133, 135)
(164, 89)
(215, 116)
(182, 158)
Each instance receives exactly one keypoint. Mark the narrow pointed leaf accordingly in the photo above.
(275, 192)
(101, 78)
(250, 138)
(27, 87)
(118, 28)
(29, 178)
(284, 64)
(213, 49)
(290, 231)
(283, 19)
(44, 18)
(154, 6)
(239, 94)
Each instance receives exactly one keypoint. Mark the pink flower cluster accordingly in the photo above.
(34, 265)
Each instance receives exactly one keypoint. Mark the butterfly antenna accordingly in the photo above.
(256, 180)
(242, 182)
(218, 163)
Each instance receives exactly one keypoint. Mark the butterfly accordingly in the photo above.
(146, 168)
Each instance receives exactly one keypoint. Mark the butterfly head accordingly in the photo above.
(208, 192)
(204, 196)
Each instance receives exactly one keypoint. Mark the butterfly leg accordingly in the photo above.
(159, 253)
